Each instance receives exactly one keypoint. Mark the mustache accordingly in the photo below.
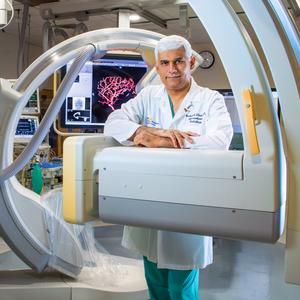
(173, 76)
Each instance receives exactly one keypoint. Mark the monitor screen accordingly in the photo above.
(232, 109)
(26, 128)
(33, 105)
(237, 142)
(101, 87)
(237, 139)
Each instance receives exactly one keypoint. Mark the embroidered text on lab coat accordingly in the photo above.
(196, 118)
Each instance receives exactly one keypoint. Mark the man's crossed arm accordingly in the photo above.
(161, 138)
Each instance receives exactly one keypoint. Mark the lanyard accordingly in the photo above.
(172, 107)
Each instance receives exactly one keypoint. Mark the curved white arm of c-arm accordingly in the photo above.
(29, 228)
(52, 111)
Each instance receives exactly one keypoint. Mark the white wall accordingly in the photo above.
(9, 54)
(214, 77)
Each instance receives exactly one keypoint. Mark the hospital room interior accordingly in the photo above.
(67, 190)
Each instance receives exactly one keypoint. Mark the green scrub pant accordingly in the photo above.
(166, 284)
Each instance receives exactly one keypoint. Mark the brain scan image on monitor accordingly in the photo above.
(113, 86)
(100, 88)
(78, 110)
(112, 89)
(78, 103)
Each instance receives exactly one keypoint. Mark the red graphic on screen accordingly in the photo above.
(111, 87)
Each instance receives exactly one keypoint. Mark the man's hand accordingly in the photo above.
(158, 138)
(177, 137)
(147, 139)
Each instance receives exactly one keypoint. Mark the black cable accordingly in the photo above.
(28, 40)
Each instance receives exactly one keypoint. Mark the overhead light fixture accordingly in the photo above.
(134, 17)
(5, 6)
(3, 13)
(184, 20)
(295, 6)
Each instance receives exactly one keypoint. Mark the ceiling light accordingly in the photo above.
(134, 17)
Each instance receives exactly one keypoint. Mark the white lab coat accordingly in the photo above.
(202, 111)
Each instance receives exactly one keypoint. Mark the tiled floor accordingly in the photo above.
(247, 271)
(241, 270)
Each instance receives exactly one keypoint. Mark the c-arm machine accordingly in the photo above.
(179, 190)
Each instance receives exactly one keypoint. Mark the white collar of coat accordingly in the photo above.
(161, 91)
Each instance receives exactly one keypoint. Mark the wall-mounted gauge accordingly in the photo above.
(208, 59)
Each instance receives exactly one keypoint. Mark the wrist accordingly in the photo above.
(137, 131)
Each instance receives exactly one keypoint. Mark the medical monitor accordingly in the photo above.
(101, 87)
(26, 128)
(33, 105)
(237, 142)
(237, 139)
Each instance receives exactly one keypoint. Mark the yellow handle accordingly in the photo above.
(54, 83)
(250, 121)
(149, 57)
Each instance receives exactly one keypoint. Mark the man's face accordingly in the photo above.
(174, 68)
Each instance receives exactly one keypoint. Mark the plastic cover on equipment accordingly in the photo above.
(98, 266)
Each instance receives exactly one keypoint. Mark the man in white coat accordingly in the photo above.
(176, 114)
